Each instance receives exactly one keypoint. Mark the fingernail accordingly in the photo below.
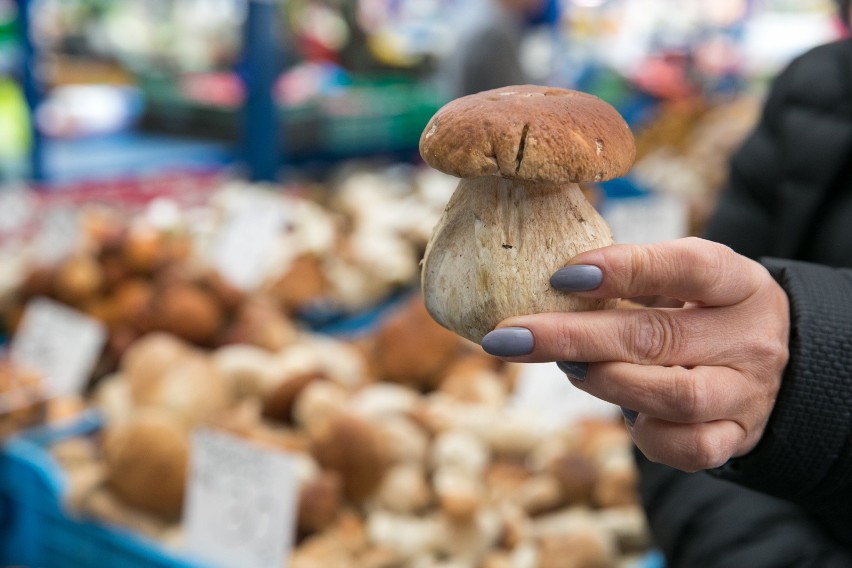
(508, 342)
(575, 371)
(629, 416)
(577, 278)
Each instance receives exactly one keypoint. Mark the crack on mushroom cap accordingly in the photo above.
(521, 147)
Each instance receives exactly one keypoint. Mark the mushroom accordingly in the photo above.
(343, 545)
(473, 380)
(102, 504)
(397, 348)
(320, 500)
(243, 367)
(517, 214)
(539, 494)
(587, 548)
(187, 311)
(460, 493)
(525, 556)
(383, 401)
(405, 440)
(573, 538)
(461, 450)
(147, 460)
(260, 323)
(404, 490)
(408, 535)
(356, 450)
(149, 358)
(78, 279)
(191, 388)
(113, 398)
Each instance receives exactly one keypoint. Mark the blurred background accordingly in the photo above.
(95, 89)
(216, 209)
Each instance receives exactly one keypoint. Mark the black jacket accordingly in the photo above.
(788, 502)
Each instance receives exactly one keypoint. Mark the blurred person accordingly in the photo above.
(487, 54)
(783, 498)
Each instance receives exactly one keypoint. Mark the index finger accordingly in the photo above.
(652, 336)
(691, 269)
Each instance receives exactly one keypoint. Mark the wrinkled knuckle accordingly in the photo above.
(692, 398)
(561, 337)
(637, 269)
(769, 352)
(716, 271)
(773, 349)
(654, 337)
(625, 269)
(708, 451)
(712, 249)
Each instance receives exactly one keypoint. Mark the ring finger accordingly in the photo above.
(675, 394)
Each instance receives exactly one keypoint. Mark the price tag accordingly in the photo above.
(58, 235)
(241, 502)
(649, 219)
(16, 208)
(243, 248)
(60, 343)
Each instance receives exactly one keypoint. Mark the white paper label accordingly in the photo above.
(244, 244)
(241, 502)
(649, 219)
(58, 236)
(16, 208)
(60, 343)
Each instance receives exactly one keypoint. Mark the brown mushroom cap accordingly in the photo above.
(529, 132)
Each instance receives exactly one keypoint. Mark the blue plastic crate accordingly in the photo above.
(36, 531)
(356, 324)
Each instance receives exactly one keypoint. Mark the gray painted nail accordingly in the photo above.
(574, 370)
(508, 342)
(629, 416)
(577, 278)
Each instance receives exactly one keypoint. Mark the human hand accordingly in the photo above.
(703, 378)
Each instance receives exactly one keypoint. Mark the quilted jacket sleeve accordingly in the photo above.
(805, 455)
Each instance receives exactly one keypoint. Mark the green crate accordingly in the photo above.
(380, 115)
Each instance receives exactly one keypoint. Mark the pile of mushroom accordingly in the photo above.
(342, 246)
(396, 468)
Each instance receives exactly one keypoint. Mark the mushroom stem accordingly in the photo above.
(497, 244)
